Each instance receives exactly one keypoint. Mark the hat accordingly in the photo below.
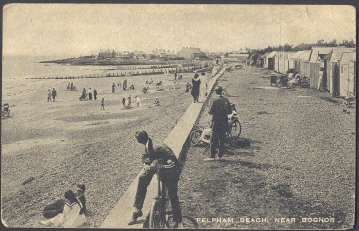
(218, 90)
(82, 187)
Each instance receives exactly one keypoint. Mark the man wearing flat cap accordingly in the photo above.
(219, 109)
(157, 156)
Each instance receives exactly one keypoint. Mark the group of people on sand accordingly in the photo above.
(67, 212)
(88, 94)
(129, 101)
(51, 95)
(199, 88)
(123, 85)
(70, 87)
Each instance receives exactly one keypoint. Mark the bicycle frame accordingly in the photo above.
(158, 211)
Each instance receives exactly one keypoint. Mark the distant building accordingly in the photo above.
(107, 54)
(191, 53)
(160, 53)
(140, 55)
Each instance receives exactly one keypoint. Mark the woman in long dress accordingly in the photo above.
(203, 88)
(195, 87)
(70, 217)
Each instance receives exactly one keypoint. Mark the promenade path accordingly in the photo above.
(295, 159)
(121, 214)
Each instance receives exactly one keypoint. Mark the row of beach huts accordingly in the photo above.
(336, 65)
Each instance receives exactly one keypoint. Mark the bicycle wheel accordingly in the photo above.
(195, 136)
(235, 129)
(157, 216)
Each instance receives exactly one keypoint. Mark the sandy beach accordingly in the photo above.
(69, 141)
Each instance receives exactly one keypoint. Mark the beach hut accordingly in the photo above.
(317, 62)
(347, 66)
(287, 62)
(302, 65)
(333, 68)
(282, 61)
(265, 59)
(294, 60)
(271, 60)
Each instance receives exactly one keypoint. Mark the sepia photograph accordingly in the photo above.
(178, 116)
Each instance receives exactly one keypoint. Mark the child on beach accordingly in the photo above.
(49, 96)
(80, 195)
(103, 104)
(138, 101)
(94, 94)
(71, 216)
(53, 94)
(123, 102)
(129, 101)
(157, 102)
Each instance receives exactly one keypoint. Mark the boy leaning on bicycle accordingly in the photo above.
(157, 156)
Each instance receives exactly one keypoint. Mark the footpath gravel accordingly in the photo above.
(295, 159)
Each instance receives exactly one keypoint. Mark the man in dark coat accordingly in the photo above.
(220, 108)
(53, 94)
(158, 156)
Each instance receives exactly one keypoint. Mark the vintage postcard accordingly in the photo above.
(195, 116)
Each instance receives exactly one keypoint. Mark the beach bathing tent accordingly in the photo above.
(294, 60)
(347, 73)
(303, 66)
(333, 80)
(265, 60)
(317, 61)
(271, 60)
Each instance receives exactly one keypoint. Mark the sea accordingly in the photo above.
(19, 73)
(22, 67)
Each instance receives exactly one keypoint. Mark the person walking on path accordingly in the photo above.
(103, 104)
(220, 108)
(203, 88)
(90, 93)
(71, 86)
(157, 156)
(94, 94)
(195, 87)
(53, 94)
(49, 96)
(113, 88)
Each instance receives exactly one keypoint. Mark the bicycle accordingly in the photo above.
(200, 135)
(158, 217)
(161, 213)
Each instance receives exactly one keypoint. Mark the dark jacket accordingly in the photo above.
(220, 108)
(160, 153)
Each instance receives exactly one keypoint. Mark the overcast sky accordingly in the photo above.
(83, 29)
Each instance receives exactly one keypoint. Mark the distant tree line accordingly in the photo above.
(306, 46)
(254, 53)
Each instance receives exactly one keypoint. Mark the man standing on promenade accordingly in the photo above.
(220, 108)
(157, 156)
(53, 94)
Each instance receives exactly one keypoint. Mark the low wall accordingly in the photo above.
(178, 141)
